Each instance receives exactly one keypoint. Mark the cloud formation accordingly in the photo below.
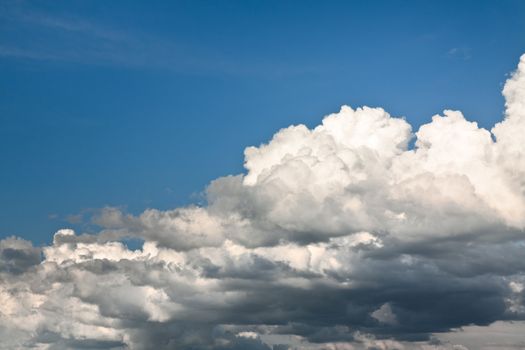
(337, 237)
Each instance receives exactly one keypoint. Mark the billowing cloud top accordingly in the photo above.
(337, 237)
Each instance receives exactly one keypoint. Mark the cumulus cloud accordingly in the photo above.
(336, 237)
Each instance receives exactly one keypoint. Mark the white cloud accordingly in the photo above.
(337, 237)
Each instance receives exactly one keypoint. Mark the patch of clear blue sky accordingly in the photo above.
(141, 104)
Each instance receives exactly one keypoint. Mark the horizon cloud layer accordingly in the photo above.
(337, 237)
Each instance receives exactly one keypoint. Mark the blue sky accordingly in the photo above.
(137, 105)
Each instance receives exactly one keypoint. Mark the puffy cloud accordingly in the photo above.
(17, 255)
(336, 237)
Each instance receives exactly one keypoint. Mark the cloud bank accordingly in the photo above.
(337, 237)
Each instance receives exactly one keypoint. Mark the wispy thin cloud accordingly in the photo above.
(10, 51)
(75, 25)
(77, 40)
(462, 53)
